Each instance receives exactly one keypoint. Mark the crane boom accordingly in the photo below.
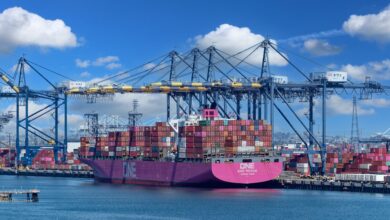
(9, 83)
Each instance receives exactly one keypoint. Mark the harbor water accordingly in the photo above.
(73, 198)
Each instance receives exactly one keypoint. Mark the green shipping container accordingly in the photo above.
(204, 123)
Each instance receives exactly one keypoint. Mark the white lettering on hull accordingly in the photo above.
(129, 170)
(247, 169)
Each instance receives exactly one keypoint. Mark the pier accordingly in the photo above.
(51, 173)
(31, 195)
(313, 184)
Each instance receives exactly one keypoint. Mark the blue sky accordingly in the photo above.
(132, 32)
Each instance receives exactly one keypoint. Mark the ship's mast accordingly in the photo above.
(134, 115)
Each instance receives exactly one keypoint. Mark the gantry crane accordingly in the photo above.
(25, 117)
(192, 84)
(199, 77)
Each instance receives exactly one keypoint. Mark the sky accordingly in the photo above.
(93, 39)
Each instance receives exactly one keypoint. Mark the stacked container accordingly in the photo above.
(151, 141)
(7, 157)
(380, 160)
(298, 163)
(303, 165)
(332, 161)
(228, 137)
(44, 160)
(86, 149)
(147, 141)
(101, 146)
(122, 143)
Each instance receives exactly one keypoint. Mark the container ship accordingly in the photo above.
(200, 150)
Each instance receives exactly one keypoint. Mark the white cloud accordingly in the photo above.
(355, 72)
(27, 68)
(109, 62)
(74, 120)
(378, 102)
(96, 80)
(105, 60)
(19, 27)
(320, 47)
(232, 39)
(44, 123)
(377, 70)
(32, 107)
(111, 66)
(332, 66)
(371, 26)
(150, 105)
(85, 74)
(302, 111)
(82, 63)
(297, 40)
(149, 66)
(337, 105)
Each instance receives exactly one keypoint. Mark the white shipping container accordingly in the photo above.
(216, 150)
(76, 167)
(302, 165)
(378, 178)
(317, 160)
(365, 166)
(302, 170)
(119, 149)
(279, 79)
(246, 149)
(259, 143)
(182, 150)
(182, 155)
(336, 76)
(361, 177)
(75, 84)
(111, 154)
(134, 149)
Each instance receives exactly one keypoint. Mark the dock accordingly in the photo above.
(313, 184)
(49, 173)
(31, 195)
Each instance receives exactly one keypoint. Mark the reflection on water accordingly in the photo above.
(245, 192)
(67, 198)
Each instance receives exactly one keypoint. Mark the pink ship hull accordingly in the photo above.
(184, 173)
